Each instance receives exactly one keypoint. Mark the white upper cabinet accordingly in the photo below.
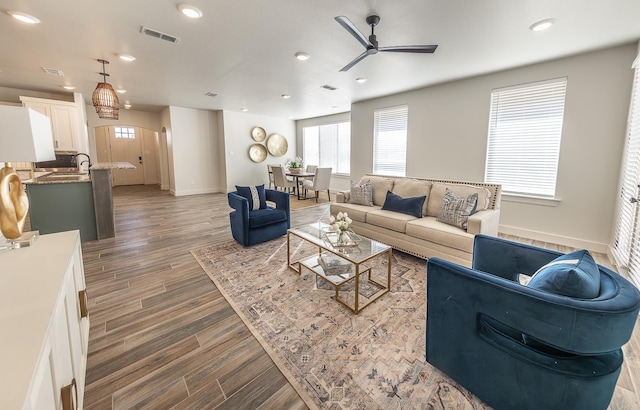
(64, 117)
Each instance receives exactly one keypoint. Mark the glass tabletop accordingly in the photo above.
(316, 233)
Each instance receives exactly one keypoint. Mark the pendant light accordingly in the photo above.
(105, 99)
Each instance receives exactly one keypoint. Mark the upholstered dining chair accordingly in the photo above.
(320, 182)
(280, 178)
(551, 344)
(270, 172)
(312, 168)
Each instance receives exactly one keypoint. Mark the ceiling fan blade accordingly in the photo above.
(355, 61)
(410, 49)
(348, 25)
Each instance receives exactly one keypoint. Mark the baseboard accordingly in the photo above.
(165, 187)
(557, 239)
(195, 191)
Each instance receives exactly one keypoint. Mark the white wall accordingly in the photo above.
(447, 136)
(193, 149)
(240, 170)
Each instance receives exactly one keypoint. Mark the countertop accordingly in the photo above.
(112, 165)
(42, 178)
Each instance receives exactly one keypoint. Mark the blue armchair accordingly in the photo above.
(252, 227)
(476, 319)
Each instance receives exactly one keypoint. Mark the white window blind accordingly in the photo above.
(626, 246)
(328, 145)
(390, 141)
(525, 128)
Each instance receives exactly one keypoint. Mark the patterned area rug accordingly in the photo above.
(334, 358)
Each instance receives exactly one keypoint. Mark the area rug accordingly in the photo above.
(334, 358)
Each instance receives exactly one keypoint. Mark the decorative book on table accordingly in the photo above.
(334, 265)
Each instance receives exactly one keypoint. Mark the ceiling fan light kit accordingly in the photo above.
(104, 98)
(371, 43)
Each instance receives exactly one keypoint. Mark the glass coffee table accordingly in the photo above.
(340, 263)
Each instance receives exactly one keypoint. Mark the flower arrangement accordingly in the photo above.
(339, 223)
(294, 163)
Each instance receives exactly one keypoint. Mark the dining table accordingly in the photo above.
(296, 176)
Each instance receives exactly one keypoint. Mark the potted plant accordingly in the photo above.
(294, 165)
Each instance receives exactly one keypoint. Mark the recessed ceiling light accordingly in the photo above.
(542, 24)
(335, 107)
(285, 96)
(244, 109)
(301, 56)
(361, 80)
(68, 87)
(190, 11)
(121, 91)
(24, 17)
(127, 106)
(126, 57)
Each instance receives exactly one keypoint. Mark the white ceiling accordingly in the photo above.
(244, 49)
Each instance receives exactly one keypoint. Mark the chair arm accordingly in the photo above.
(281, 199)
(239, 203)
(343, 196)
(457, 295)
(506, 258)
(486, 222)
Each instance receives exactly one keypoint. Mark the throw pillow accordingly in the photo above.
(575, 274)
(361, 194)
(455, 210)
(410, 206)
(255, 195)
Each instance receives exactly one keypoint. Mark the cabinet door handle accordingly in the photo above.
(84, 303)
(69, 395)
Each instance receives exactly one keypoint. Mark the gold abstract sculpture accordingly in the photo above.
(14, 204)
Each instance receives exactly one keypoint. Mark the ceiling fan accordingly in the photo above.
(371, 44)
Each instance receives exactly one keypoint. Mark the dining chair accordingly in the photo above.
(280, 178)
(312, 168)
(321, 181)
(270, 171)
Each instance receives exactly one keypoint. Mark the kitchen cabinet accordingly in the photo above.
(46, 324)
(65, 124)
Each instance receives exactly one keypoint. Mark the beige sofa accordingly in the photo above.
(423, 237)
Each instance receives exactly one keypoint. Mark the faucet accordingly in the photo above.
(88, 160)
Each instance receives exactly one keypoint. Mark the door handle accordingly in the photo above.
(84, 303)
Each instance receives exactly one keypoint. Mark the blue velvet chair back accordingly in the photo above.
(476, 318)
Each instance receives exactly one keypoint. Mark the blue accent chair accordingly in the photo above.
(252, 227)
(476, 318)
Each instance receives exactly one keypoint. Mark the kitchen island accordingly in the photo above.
(103, 196)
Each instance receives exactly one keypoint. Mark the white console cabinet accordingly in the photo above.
(43, 315)
(64, 120)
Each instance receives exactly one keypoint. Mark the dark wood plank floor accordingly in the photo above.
(162, 336)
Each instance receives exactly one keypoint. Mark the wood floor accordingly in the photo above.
(162, 336)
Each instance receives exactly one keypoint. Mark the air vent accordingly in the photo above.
(210, 94)
(158, 34)
(53, 71)
(329, 87)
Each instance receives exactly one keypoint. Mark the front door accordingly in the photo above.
(126, 146)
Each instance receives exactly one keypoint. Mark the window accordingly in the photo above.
(525, 127)
(390, 141)
(328, 145)
(125, 132)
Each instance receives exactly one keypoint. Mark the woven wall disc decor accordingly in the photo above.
(257, 152)
(258, 134)
(277, 145)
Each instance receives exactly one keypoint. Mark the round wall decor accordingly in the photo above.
(258, 134)
(277, 145)
(257, 152)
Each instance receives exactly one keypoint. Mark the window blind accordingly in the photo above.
(626, 246)
(525, 129)
(390, 140)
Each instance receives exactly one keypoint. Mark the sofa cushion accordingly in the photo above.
(392, 220)
(255, 195)
(267, 216)
(379, 186)
(410, 206)
(361, 194)
(439, 188)
(356, 212)
(575, 274)
(409, 187)
(430, 229)
(456, 210)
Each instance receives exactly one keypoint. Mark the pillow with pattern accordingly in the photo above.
(455, 210)
(255, 195)
(361, 194)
